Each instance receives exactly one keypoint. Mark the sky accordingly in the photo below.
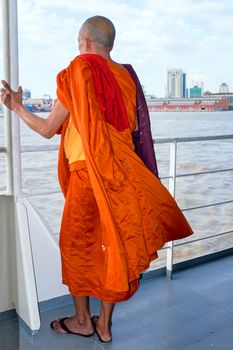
(152, 35)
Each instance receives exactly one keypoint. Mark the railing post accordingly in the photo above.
(7, 112)
(11, 75)
(172, 190)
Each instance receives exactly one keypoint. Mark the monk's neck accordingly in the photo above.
(103, 53)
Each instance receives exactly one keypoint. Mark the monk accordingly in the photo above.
(117, 213)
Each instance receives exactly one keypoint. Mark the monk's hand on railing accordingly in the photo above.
(11, 99)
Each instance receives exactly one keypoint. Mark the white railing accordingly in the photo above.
(172, 186)
(172, 181)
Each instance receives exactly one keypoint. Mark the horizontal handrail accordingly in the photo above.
(41, 148)
(44, 148)
(197, 239)
(204, 238)
(193, 139)
(207, 205)
(205, 172)
(198, 173)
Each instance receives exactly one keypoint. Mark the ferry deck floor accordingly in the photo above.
(194, 311)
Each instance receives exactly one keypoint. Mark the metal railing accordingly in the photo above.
(172, 187)
(172, 177)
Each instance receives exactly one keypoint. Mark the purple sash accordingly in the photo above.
(142, 138)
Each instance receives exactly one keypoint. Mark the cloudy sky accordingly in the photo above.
(153, 35)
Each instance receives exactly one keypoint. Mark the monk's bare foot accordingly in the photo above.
(104, 332)
(74, 325)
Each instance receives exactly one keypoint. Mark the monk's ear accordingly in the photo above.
(88, 44)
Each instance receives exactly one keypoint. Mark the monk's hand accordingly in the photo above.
(11, 99)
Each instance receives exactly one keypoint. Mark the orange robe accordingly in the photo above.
(117, 214)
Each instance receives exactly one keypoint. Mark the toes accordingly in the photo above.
(57, 327)
(55, 324)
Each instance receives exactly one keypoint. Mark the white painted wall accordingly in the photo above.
(6, 236)
(45, 253)
(30, 267)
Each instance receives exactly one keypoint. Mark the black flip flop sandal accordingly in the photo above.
(67, 330)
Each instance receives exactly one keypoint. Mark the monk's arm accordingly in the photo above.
(45, 127)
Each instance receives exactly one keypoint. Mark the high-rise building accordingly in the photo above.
(195, 92)
(184, 94)
(224, 88)
(176, 83)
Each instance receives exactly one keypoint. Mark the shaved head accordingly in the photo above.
(100, 30)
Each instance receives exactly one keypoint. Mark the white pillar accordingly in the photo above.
(172, 190)
(11, 75)
(22, 267)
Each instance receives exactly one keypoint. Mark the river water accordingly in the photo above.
(39, 173)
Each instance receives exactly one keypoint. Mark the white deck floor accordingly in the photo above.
(194, 311)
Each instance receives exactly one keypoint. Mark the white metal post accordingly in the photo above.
(172, 190)
(23, 277)
(11, 75)
(7, 112)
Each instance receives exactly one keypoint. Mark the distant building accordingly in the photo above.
(217, 103)
(184, 92)
(195, 92)
(224, 88)
(150, 97)
(26, 94)
(226, 95)
(207, 93)
(46, 97)
(176, 83)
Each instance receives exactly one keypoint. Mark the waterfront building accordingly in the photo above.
(224, 88)
(195, 92)
(208, 104)
(226, 95)
(207, 93)
(176, 83)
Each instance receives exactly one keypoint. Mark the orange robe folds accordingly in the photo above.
(117, 214)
